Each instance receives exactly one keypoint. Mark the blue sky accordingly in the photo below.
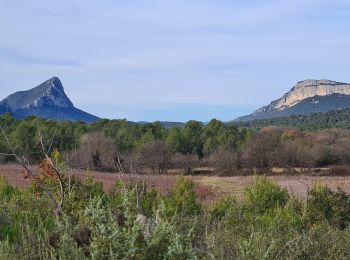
(148, 60)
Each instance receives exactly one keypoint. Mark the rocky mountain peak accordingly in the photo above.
(48, 100)
(48, 93)
(56, 83)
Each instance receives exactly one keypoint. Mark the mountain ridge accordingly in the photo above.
(307, 96)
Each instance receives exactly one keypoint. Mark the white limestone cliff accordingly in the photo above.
(310, 88)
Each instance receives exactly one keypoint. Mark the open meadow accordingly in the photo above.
(207, 188)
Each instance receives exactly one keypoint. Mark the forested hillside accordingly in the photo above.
(332, 119)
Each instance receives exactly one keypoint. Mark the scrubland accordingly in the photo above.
(114, 190)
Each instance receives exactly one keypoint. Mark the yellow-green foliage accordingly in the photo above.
(182, 199)
(129, 224)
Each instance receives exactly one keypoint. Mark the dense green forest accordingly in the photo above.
(332, 119)
(192, 138)
(119, 137)
(129, 222)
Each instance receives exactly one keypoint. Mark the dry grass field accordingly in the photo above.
(207, 187)
(296, 184)
(15, 175)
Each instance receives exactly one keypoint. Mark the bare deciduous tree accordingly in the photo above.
(224, 161)
(296, 154)
(154, 155)
(186, 162)
(261, 150)
(96, 152)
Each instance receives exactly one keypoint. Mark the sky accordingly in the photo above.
(147, 60)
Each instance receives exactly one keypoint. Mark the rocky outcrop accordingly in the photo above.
(305, 98)
(310, 88)
(48, 100)
(49, 93)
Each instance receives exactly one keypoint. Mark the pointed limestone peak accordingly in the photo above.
(56, 83)
(52, 83)
(49, 93)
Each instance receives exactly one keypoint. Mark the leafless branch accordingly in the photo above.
(289, 244)
(58, 205)
(120, 171)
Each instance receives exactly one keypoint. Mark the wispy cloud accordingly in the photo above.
(14, 56)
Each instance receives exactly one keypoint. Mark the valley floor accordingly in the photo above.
(208, 188)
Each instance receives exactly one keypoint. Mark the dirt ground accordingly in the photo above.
(207, 187)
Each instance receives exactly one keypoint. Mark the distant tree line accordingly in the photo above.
(99, 144)
(216, 147)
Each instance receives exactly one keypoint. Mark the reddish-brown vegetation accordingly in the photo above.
(15, 175)
(207, 187)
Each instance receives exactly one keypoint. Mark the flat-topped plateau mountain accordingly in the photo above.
(308, 96)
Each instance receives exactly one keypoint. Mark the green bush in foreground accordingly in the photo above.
(130, 223)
